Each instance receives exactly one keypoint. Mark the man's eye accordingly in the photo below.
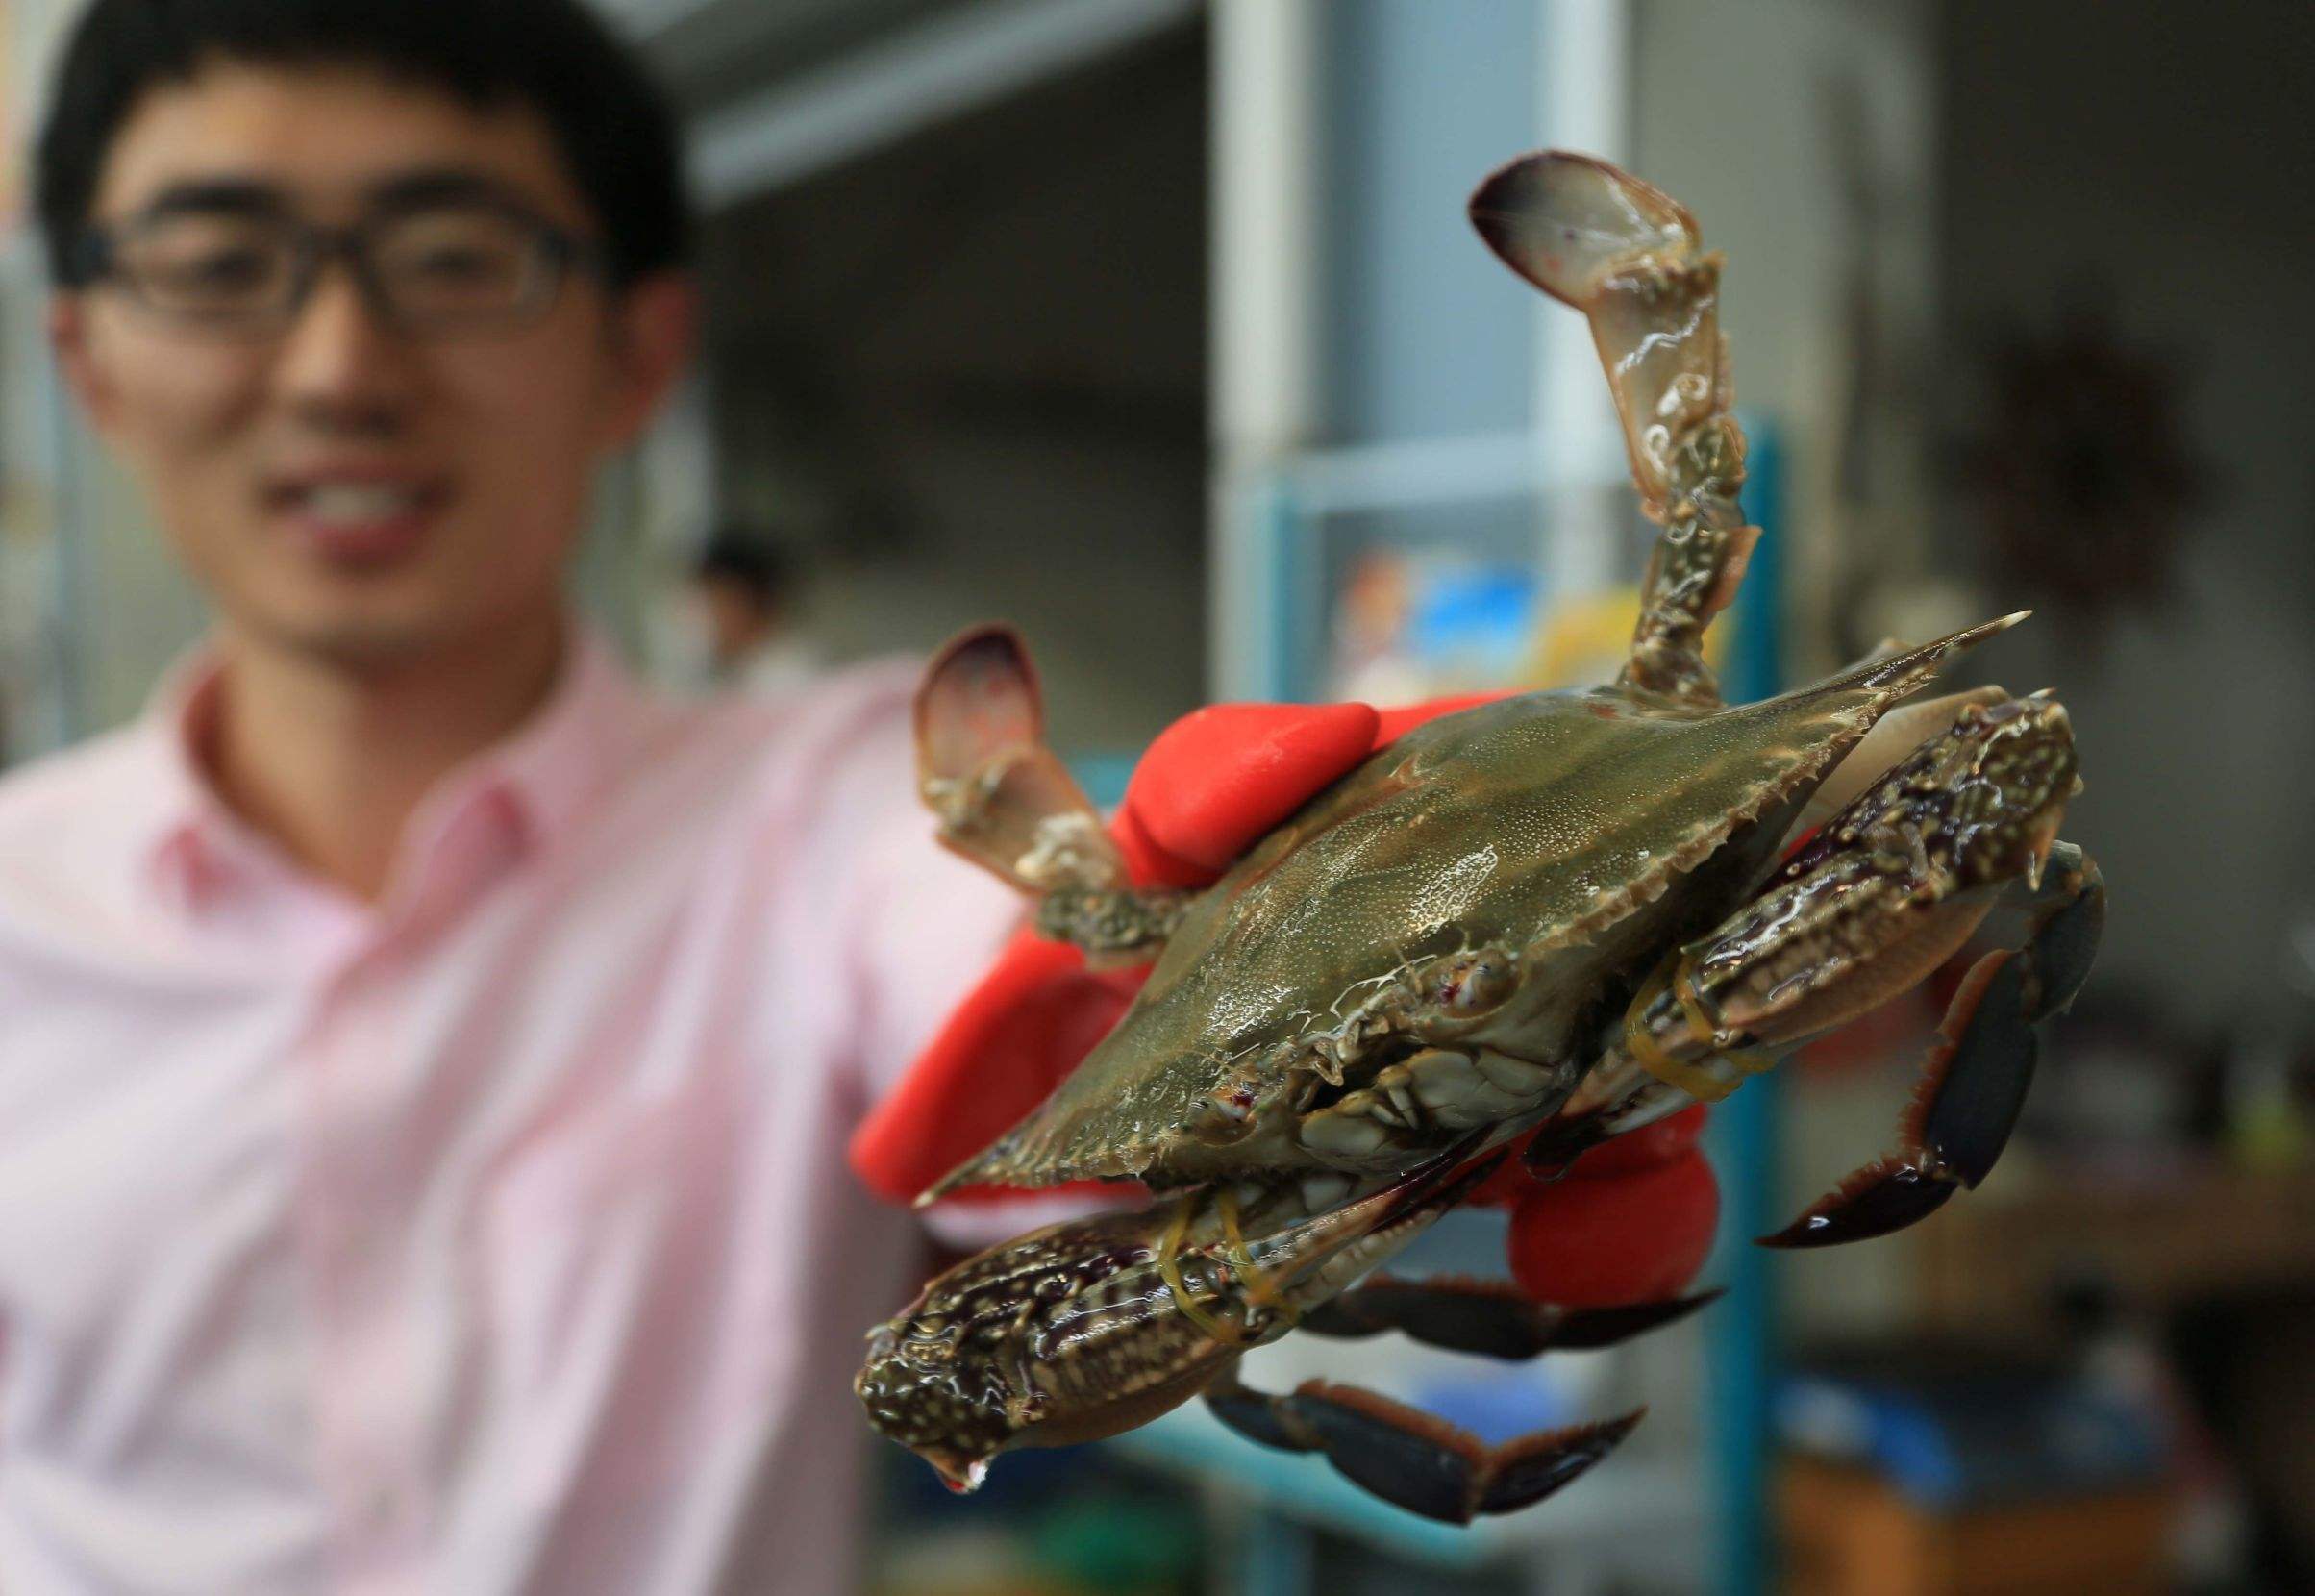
(463, 265)
(216, 271)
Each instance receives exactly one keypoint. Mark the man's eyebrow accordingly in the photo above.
(236, 194)
(445, 185)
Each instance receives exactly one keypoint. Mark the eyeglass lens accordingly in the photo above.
(437, 267)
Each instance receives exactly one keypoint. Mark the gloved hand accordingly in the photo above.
(1206, 788)
(1209, 787)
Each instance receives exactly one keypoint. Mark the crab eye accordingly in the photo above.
(1224, 1116)
(1472, 983)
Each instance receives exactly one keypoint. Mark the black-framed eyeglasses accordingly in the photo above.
(430, 270)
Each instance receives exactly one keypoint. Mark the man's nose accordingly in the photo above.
(340, 361)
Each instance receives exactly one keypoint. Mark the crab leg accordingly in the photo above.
(1626, 255)
(1409, 1457)
(1090, 1326)
(1005, 801)
(1894, 884)
(1973, 1082)
(1492, 1318)
(1621, 1093)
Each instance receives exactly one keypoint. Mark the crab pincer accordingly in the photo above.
(1973, 1085)
(1090, 1326)
(1890, 886)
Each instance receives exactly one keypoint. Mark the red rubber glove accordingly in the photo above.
(1636, 1236)
(1629, 1221)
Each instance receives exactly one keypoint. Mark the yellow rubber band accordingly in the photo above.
(1260, 1289)
(1169, 1269)
(1651, 1056)
(1700, 1028)
(1752, 1061)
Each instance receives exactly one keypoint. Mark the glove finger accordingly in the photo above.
(1029, 1022)
(1393, 724)
(1634, 1237)
(1220, 777)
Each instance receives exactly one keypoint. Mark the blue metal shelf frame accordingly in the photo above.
(1740, 1353)
(1742, 1142)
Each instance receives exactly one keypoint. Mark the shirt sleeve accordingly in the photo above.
(925, 927)
(923, 924)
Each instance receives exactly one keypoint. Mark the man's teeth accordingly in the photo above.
(359, 502)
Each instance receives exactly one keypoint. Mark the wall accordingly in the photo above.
(1415, 309)
(964, 379)
(2168, 153)
(1801, 134)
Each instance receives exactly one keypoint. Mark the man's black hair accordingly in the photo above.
(748, 562)
(615, 131)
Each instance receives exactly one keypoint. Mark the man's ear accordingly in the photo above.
(654, 323)
(85, 374)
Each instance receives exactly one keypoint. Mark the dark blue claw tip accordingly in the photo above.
(1970, 1102)
(2068, 946)
(1877, 1200)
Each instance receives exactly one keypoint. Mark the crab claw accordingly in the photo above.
(1415, 1460)
(1974, 1084)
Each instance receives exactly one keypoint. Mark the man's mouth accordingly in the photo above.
(360, 522)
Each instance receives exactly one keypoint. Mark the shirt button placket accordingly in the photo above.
(365, 1405)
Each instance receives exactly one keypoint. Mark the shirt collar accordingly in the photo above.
(540, 777)
(560, 758)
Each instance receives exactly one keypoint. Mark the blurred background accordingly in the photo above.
(1155, 327)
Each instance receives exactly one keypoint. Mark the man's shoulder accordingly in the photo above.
(69, 819)
(870, 689)
(66, 791)
(832, 721)
(789, 757)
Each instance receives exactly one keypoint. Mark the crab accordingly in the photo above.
(1558, 916)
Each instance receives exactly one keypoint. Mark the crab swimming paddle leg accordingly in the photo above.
(1626, 254)
(1412, 1459)
(1006, 801)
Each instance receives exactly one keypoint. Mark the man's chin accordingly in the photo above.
(377, 639)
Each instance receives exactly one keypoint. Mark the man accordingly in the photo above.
(425, 1060)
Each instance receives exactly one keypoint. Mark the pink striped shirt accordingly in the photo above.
(493, 1238)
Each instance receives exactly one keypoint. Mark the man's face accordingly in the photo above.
(343, 488)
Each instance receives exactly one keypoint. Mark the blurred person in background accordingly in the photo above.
(426, 1059)
(742, 607)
